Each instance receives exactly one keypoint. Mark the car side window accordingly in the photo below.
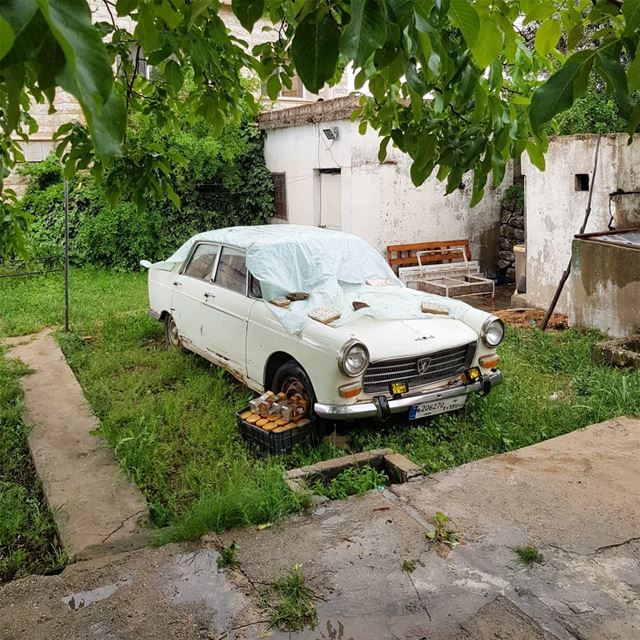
(255, 290)
(232, 270)
(202, 262)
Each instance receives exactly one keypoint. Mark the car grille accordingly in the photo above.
(442, 364)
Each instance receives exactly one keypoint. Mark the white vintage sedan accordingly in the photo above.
(320, 313)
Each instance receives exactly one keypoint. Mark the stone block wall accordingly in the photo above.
(512, 229)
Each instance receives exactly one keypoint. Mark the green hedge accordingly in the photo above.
(220, 181)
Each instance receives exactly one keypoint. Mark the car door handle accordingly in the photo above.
(177, 283)
(209, 295)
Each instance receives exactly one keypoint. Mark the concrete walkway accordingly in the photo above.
(96, 509)
(575, 497)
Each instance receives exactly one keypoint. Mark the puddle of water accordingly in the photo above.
(82, 599)
(198, 581)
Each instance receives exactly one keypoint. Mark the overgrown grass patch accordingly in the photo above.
(170, 416)
(28, 542)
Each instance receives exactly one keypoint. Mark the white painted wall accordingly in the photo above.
(554, 210)
(379, 201)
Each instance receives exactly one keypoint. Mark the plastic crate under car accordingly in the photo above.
(276, 443)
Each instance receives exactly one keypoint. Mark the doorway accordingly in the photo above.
(330, 198)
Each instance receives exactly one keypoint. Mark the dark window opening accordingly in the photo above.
(582, 182)
(280, 195)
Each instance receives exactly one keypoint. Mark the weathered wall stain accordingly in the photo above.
(379, 201)
(555, 209)
(606, 287)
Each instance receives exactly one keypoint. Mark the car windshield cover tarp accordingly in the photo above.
(331, 266)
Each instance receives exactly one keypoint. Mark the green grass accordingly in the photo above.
(28, 542)
(170, 416)
(290, 602)
(351, 481)
(529, 555)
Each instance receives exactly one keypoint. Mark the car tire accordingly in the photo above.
(290, 376)
(171, 334)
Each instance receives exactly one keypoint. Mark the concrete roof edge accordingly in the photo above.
(321, 111)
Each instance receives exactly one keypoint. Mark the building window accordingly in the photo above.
(280, 195)
(296, 91)
(582, 182)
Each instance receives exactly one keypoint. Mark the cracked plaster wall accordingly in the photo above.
(379, 201)
(554, 210)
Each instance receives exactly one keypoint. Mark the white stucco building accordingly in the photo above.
(332, 177)
(555, 204)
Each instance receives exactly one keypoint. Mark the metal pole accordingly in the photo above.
(66, 254)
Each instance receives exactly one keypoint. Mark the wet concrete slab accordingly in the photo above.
(575, 497)
(93, 503)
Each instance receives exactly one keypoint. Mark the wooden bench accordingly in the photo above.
(404, 255)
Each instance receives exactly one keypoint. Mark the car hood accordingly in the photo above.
(401, 338)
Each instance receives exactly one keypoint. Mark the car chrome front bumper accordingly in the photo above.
(381, 408)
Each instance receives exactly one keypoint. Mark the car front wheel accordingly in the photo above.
(171, 334)
(293, 380)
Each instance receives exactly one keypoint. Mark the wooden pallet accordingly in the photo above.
(404, 255)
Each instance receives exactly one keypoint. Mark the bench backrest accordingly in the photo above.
(404, 255)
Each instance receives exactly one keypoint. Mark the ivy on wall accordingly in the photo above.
(219, 180)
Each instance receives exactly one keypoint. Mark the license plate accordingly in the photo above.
(435, 407)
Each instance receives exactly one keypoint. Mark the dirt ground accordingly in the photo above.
(529, 318)
(575, 498)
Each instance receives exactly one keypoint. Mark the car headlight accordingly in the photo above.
(492, 332)
(353, 358)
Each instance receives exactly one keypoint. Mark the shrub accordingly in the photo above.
(595, 112)
(219, 181)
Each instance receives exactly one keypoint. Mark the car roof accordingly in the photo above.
(267, 234)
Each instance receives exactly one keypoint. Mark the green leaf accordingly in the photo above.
(15, 15)
(172, 195)
(465, 17)
(125, 7)
(173, 74)
(575, 36)
(273, 87)
(414, 78)
(170, 16)
(382, 151)
(560, 90)
(631, 13)
(7, 37)
(13, 79)
(538, 10)
(197, 8)
(248, 12)
(315, 50)
(488, 45)
(634, 123)
(146, 31)
(548, 36)
(613, 72)
(535, 155)
(365, 32)
(86, 59)
(107, 127)
(633, 73)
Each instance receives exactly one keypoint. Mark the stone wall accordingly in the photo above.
(511, 229)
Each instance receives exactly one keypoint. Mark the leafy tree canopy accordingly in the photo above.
(459, 85)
